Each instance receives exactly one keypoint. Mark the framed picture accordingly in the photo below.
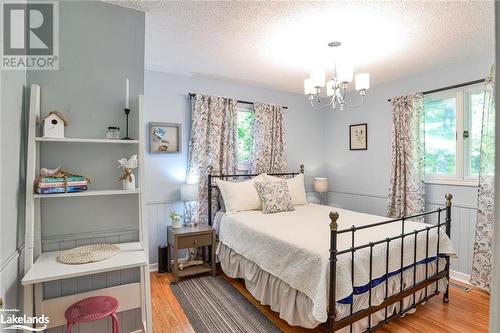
(358, 137)
(165, 138)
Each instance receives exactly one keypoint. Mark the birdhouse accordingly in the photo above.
(53, 125)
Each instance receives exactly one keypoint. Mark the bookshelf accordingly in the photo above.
(86, 140)
(41, 267)
(88, 193)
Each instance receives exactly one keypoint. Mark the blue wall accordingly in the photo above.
(359, 180)
(166, 100)
(367, 172)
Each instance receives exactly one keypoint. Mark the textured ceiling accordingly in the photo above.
(276, 44)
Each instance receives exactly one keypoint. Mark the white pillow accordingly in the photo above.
(240, 196)
(296, 188)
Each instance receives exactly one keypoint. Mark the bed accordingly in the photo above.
(296, 261)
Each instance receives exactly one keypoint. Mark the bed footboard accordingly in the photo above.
(333, 324)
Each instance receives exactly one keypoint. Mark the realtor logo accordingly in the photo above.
(11, 320)
(30, 34)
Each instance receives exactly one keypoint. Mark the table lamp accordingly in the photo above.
(189, 195)
(321, 186)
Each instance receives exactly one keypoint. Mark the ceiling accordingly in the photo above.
(276, 44)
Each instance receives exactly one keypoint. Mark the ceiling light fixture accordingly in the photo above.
(336, 88)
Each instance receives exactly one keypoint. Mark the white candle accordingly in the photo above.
(127, 105)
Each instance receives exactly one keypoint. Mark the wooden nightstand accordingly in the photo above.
(188, 237)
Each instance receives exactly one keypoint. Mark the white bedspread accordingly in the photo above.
(294, 246)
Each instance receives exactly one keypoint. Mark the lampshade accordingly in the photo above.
(321, 185)
(362, 81)
(308, 87)
(318, 78)
(344, 71)
(189, 192)
(329, 88)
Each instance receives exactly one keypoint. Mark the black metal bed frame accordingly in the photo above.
(332, 324)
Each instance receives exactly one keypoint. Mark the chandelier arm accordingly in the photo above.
(322, 106)
(354, 105)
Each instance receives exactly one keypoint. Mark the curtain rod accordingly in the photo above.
(450, 87)
(191, 95)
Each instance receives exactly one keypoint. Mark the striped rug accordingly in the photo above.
(212, 305)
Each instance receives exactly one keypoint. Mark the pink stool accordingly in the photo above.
(91, 309)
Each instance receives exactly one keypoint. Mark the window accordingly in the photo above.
(245, 137)
(453, 121)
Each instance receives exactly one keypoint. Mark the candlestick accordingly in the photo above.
(127, 104)
(127, 111)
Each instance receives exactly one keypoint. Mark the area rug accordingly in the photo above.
(212, 305)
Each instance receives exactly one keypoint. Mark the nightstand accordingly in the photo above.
(189, 237)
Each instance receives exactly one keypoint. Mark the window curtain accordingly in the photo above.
(481, 262)
(212, 145)
(407, 190)
(269, 153)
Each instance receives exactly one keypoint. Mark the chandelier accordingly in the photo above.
(336, 88)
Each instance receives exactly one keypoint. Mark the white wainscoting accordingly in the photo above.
(158, 221)
(462, 226)
(11, 273)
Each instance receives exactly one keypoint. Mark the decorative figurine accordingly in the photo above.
(54, 124)
(128, 178)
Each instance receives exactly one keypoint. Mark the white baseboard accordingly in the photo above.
(460, 277)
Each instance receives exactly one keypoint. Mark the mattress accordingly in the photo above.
(294, 247)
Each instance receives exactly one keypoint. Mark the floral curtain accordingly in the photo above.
(407, 190)
(212, 145)
(481, 262)
(269, 153)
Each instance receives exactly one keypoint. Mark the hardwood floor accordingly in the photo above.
(466, 312)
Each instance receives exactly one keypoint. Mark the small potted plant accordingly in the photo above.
(176, 220)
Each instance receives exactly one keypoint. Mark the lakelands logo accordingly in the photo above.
(30, 35)
(10, 320)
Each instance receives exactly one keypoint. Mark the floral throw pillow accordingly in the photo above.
(275, 196)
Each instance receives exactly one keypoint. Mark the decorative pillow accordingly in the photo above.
(240, 196)
(275, 196)
(295, 186)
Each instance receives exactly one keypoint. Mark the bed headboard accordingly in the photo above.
(212, 184)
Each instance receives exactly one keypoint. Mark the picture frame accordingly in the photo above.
(165, 138)
(358, 136)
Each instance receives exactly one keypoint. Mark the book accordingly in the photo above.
(53, 190)
(61, 184)
(61, 179)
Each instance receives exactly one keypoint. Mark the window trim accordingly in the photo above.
(462, 175)
(243, 166)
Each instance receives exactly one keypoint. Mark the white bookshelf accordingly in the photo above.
(88, 193)
(41, 267)
(86, 140)
(48, 268)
